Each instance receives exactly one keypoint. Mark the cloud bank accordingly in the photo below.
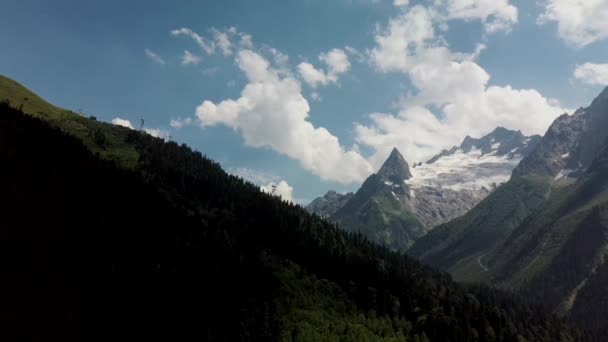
(579, 22)
(337, 64)
(271, 112)
(592, 74)
(453, 97)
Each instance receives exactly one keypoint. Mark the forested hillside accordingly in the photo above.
(176, 249)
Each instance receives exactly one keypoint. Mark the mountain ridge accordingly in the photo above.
(161, 252)
(543, 232)
(405, 202)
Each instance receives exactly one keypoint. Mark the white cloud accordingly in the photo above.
(154, 57)
(579, 22)
(254, 176)
(179, 122)
(359, 57)
(311, 75)
(208, 47)
(157, 133)
(395, 44)
(282, 189)
(593, 74)
(245, 41)
(272, 113)
(268, 182)
(122, 122)
(222, 40)
(337, 64)
(219, 39)
(401, 2)
(496, 15)
(453, 97)
(190, 58)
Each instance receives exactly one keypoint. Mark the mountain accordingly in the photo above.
(501, 142)
(174, 248)
(380, 209)
(454, 181)
(400, 204)
(545, 232)
(327, 205)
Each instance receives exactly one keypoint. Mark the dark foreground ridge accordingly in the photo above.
(176, 249)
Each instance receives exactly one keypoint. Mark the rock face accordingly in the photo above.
(571, 143)
(395, 169)
(434, 206)
(399, 204)
(327, 205)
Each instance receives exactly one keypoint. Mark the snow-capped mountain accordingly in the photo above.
(454, 181)
(476, 163)
(545, 231)
(400, 203)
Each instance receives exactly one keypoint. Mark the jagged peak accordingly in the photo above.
(601, 99)
(395, 154)
(395, 167)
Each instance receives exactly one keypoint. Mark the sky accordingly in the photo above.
(311, 95)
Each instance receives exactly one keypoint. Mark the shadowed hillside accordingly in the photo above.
(177, 249)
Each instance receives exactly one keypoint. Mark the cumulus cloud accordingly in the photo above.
(268, 182)
(122, 122)
(401, 2)
(272, 113)
(154, 57)
(495, 15)
(593, 74)
(282, 189)
(337, 63)
(579, 22)
(190, 58)
(157, 133)
(453, 97)
(395, 43)
(179, 122)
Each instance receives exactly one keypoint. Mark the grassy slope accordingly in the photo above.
(459, 245)
(552, 249)
(90, 131)
(537, 241)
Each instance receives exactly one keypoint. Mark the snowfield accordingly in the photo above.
(465, 171)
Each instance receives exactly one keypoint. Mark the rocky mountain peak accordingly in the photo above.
(571, 142)
(395, 168)
(601, 99)
(501, 142)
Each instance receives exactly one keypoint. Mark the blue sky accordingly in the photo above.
(330, 63)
